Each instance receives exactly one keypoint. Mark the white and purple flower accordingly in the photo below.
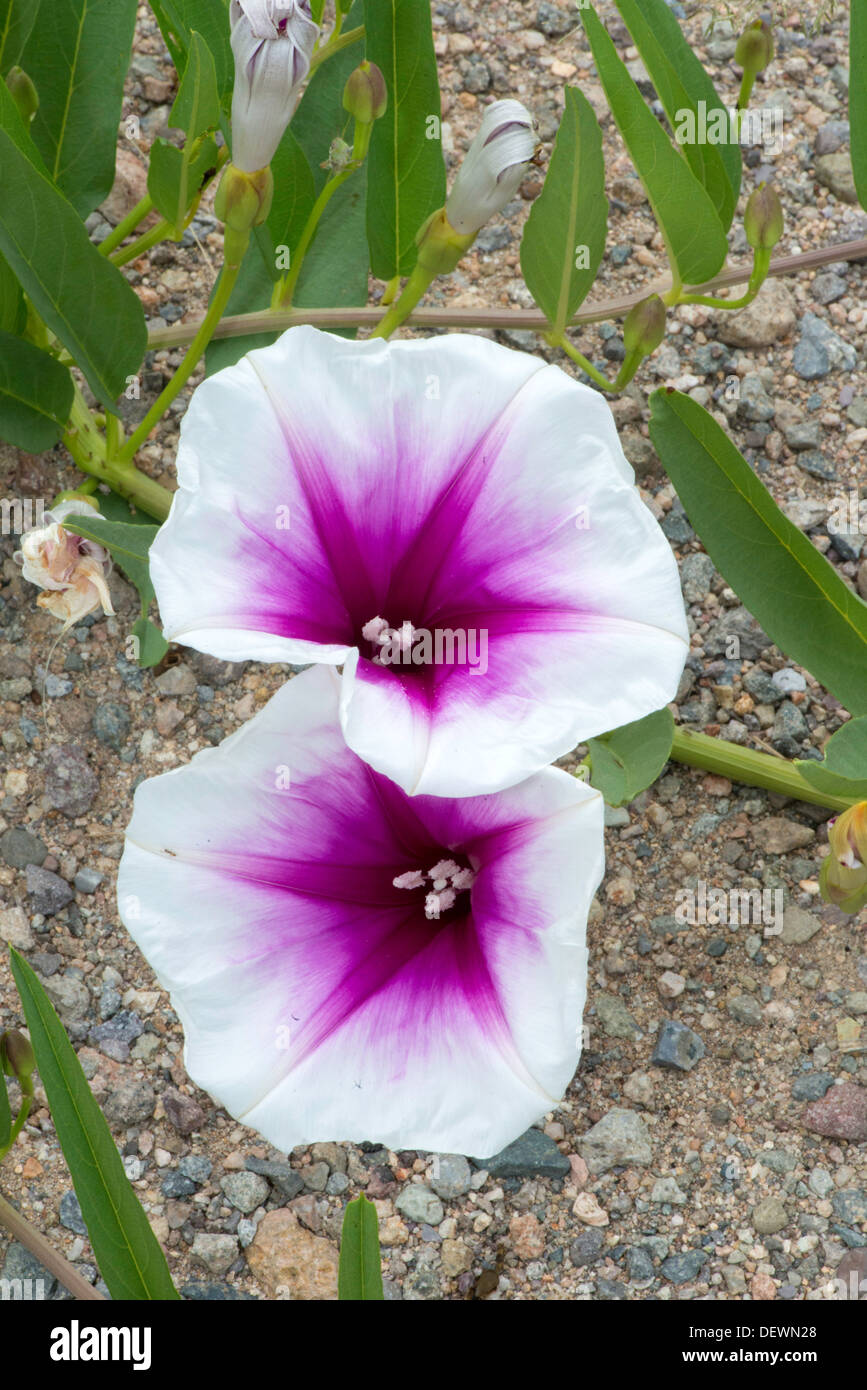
(273, 42)
(335, 495)
(349, 962)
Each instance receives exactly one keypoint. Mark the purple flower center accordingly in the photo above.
(444, 888)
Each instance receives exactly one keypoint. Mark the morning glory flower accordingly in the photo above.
(72, 571)
(272, 41)
(494, 167)
(451, 522)
(349, 962)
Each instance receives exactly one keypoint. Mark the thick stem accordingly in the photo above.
(127, 226)
(22, 1231)
(749, 766)
(160, 232)
(196, 349)
(598, 311)
(88, 447)
(413, 290)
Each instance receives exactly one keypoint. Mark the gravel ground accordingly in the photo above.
(712, 1144)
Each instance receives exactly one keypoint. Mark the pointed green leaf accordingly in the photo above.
(35, 395)
(360, 1274)
(197, 104)
(797, 596)
(152, 646)
(687, 218)
(858, 95)
(127, 542)
(126, 1249)
(843, 770)
(79, 294)
(630, 758)
(78, 56)
(175, 176)
(684, 87)
(17, 18)
(406, 173)
(564, 238)
(13, 310)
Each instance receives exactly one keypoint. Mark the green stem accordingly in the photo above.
(584, 363)
(335, 44)
(127, 226)
(160, 232)
(26, 1103)
(415, 287)
(88, 447)
(749, 766)
(747, 82)
(761, 262)
(285, 289)
(235, 248)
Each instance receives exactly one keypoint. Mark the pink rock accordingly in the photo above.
(840, 1114)
(763, 1288)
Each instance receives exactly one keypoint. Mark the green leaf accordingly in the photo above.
(564, 238)
(858, 95)
(5, 1113)
(78, 56)
(626, 761)
(360, 1275)
(152, 646)
(80, 295)
(179, 19)
(316, 9)
(115, 508)
(681, 84)
(797, 596)
(175, 176)
(843, 770)
(406, 173)
(35, 395)
(197, 104)
(687, 218)
(17, 18)
(13, 310)
(126, 1249)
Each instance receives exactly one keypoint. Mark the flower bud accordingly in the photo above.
(763, 218)
(18, 1056)
(272, 41)
(843, 876)
(23, 93)
(644, 326)
(440, 247)
(365, 95)
(755, 47)
(244, 200)
(493, 168)
(72, 570)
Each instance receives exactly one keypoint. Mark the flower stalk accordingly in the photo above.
(749, 766)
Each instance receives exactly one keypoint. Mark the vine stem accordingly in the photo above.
(127, 226)
(56, 1264)
(749, 766)
(594, 312)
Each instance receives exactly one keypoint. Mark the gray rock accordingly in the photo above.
(639, 1265)
(18, 848)
(788, 680)
(48, 892)
(799, 926)
(737, 623)
(70, 1214)
(176, 680)
(677, 1047)
(754, 403)
(70, 782)
(812, 1086)
(287, 1180)
(745, 1009)
(337, 1184)
(681, 1269)
(530, 1156)
(315, 1176)
(184, 1113)
(451, 1176)
(553, 21)
(15, 929)
(620, 1139)
(215, 1253)
(850, 1206)
(814, 462)
(803, 434)
(828, 287)
(760, 685)
(215, 672)
(88, 880)
(665, 1191)
(615, 1018)
(835, 172)
(196, 1167)
(176, 1185)
(130, 1103)
(69, 995)
(418, 1203)
(769, 1216)
(200, 1291)
(696, 575)
(857, 412)
(586, 1248)
(111, 724)
(821, 1182)
(36, 1280)
(245, 1190)
(789, 727)
(124, 1027)
(831, 137)
(821, 350)
(779, 1160)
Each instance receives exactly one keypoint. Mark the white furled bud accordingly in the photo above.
(493, 168)
(272, 41)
